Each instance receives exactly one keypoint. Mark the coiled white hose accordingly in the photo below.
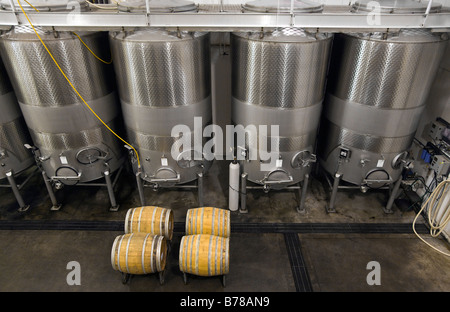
(435, 203)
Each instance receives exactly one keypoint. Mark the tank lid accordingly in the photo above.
(156, 35)
(396, 6)
(288, 34)
(283, 6)
(26, 32)
(404, 36)
(46, 5)
(164, 6)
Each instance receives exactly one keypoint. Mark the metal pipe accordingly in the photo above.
(147, 6)
(243, 208)
(112, 198)
(430, 2)
(292, 187)
(15, 189)
(388, 208)
(337, 178)
(13, 7)
(302, 194)
(200, 189)
(140, 186)
(55, 205)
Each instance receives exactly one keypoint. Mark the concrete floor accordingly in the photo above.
(273, 248)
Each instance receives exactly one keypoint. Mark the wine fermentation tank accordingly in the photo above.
(376, 94)
(164, 84)
(278, 80)
(14, 157)
(71, 145)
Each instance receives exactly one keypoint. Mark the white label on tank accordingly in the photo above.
(279, 162)
(63, 160)
(164, 161)
(380, 163)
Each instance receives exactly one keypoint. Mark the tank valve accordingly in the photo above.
(58, 185)
(363, 162)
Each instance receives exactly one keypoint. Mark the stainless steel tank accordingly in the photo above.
(14, 157)
(72, 144)
(164, 81)
(278, 79)
(377, 90)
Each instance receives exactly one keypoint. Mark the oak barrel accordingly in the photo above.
(208, 220)
(150, 219)
(139, 253)
(204, 255)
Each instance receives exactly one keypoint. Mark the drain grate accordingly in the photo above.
(179, 227)
(298, 266)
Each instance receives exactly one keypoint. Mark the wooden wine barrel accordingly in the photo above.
(208, 220)
(204, 255)
(139, 253)
(150, 219)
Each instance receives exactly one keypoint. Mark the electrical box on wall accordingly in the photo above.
(440, 164)
(437, 127)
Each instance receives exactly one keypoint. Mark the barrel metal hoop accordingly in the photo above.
(126, 252)
(143, 253)
(118, 253)
(152, 258)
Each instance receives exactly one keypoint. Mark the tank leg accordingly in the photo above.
(125, 278)
(185, 278)
(140, 186)
(224, 284)
(388, 208)
(243, 208)
(337, 179)
(302, 193)
(200, 189)
(112, 197)
(161, 277)
(15, 189)
(55, 205)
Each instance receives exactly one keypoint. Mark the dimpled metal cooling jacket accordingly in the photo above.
(279, 80)
(70, 139)
(164, 81)
(13, 131)
(378, 86)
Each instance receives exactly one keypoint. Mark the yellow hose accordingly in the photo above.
(73, 87)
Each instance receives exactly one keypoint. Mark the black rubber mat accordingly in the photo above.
(179, 227)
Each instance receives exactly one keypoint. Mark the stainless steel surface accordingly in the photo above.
(168, 6)
(164, 81)
(45, 5)
(230, 17)
(376, 94)
(283, 6)
(278, 78)
(395, 6)
(72, 142)
(14, 157)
